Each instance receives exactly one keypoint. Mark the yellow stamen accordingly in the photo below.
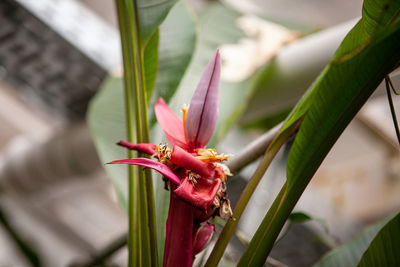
(184, 110)
(193, 177)
(210, 155)
(164, 154)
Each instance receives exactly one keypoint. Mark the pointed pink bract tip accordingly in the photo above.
(155, 165)
(142, 147)
(204, 107)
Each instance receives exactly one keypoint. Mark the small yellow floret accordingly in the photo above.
(163, 154)
(210, 155)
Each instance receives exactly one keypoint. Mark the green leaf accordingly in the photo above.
(299, 217)
(151, 58)
(106, 122)
(367, 54)
(343, 88)
(349, 254)
(384, 250)
(177, 44)
(151, 14)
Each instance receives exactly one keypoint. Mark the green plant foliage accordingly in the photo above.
(299, 217)
(367, 54)
(348, 255)
(346, 83)
(106, 125)
(176, 48)
(106, 112)
(151, 57)
(151, 14)
(384, 249)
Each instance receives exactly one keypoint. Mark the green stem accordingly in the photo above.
(273, 214)
(148, 180)
(133, 245)
(149, 184)
(264, 239)
(149, 236)
(230, 226)
(141, 240)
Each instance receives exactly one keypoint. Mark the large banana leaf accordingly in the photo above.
(349, 254)
(367, 54)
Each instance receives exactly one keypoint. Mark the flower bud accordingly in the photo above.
(203, 235)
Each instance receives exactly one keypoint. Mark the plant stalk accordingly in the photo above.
(133, 245)
(272, 225)
(230, 226)
(148, 180)
(142, 243)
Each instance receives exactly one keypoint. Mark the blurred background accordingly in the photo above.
(59, 208)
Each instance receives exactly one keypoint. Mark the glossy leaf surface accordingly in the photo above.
(366, 55)
(350, 253)
(384, 250)
(151, 15)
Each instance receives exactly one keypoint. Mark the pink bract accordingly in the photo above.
(203, 110)
(171, 124)
(157, 166)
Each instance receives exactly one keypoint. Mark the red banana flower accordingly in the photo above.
(193, 172)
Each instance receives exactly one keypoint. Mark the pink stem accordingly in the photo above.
(178, 249)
